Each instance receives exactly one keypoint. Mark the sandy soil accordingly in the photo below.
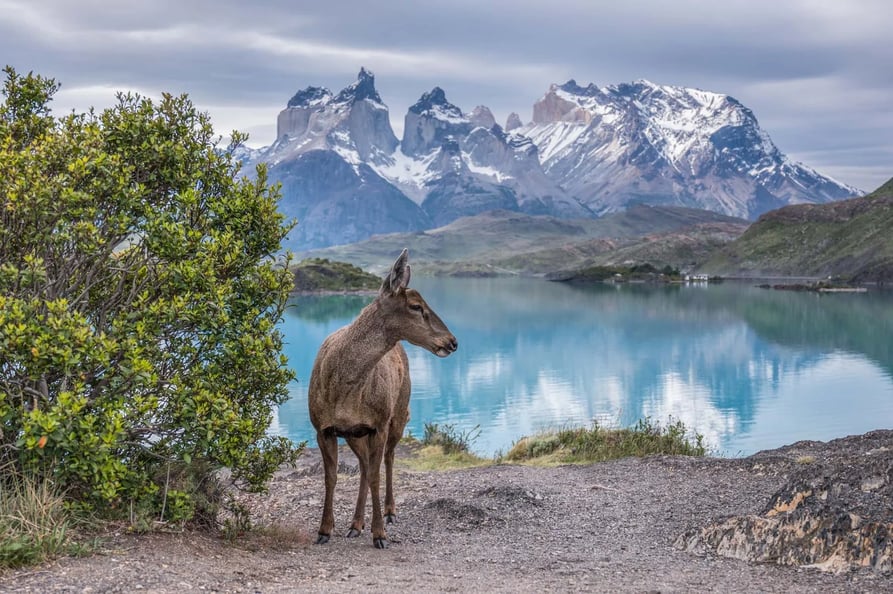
(603, 527)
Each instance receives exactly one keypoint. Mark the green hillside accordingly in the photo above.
(502, 242)
(852, 239)
(319, 274)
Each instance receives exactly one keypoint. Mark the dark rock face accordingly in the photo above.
(335, 202)
(455, 195)
(364, 88)
(834, 512)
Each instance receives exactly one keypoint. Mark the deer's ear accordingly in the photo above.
(398, 277)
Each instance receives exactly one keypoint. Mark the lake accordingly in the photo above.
(748, 368)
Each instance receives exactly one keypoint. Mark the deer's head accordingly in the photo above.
(407, 314)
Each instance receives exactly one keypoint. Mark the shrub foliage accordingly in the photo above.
(139, 297)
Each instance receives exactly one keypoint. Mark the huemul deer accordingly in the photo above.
(359, 390)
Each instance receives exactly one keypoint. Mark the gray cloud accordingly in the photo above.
(816, 73)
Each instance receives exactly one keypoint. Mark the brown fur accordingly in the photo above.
(359, 390)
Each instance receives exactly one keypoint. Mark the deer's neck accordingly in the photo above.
(367, 340)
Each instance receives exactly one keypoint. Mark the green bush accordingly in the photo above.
(139, 298)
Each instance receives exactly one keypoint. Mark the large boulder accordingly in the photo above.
(834, 512)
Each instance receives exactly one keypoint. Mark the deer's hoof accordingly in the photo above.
(322, 539)
(353, 533)
(380, 543)
(390, 519)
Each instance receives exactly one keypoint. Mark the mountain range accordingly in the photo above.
(586, 153)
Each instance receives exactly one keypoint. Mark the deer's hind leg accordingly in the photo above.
(395, 434)
(360, 447)
(390, 507)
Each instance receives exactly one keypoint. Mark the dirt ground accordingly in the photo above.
(606, 527)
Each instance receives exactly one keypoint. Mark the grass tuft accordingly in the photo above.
(450, 439)
(33, 521)
(597, 444)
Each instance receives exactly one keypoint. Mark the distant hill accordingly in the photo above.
(850, 238)
(319, 274)
(504, 242)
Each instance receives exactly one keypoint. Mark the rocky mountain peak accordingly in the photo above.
(430, 121)
(363, 88)
(310, 97)
(482, 116)
(435, 101)
(562, 104)
(512, 122)
(354, 123)
(573, 88)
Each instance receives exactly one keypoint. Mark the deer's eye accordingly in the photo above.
(415, 307)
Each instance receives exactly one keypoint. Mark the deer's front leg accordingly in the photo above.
(328, 447)
(376, 452)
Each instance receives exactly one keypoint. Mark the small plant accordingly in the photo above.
(449, 438)
(33, 521)
(239, 521)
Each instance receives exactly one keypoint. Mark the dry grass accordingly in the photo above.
(34, 525)
(433, 457)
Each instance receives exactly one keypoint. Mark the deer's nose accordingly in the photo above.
(454, 344)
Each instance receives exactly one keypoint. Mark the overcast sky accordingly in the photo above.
(818, 74)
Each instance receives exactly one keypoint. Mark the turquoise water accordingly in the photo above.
(748, 368)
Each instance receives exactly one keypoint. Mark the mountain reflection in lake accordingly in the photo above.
(750, 369)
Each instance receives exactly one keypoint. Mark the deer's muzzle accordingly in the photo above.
(446, 348)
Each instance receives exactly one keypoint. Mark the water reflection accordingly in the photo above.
(748, 368)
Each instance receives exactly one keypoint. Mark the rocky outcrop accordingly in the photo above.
(834, 512)
(555, 107)
(512, 122)
(354, 120)
(482, 116)
(431, 121)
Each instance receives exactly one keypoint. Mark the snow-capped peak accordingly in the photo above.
(363, 88)
(310, 97)
(434, 104)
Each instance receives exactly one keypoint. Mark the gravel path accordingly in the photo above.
(604, 527)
